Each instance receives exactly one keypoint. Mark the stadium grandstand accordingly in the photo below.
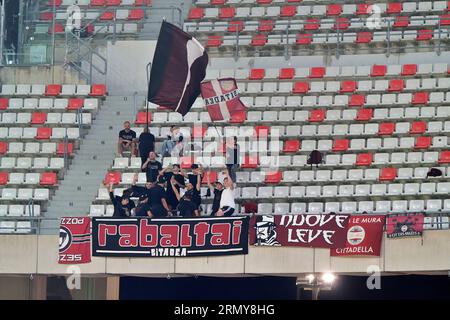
(362, 85)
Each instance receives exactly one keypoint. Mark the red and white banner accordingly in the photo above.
(75, 240)
(364, 235)
(221, 98)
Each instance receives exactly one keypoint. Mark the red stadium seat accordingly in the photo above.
(48, 179)
(4, 102)
(113, 3)
(226, 13)
(448, 5)
(364, 9)
(53, 90)
(273, 177)
(388, 174)
(348, 86)
(316, 115)
(60, 148)
(98, 90)
(214, 41)
(257, 74)
(186, 162)
(424, 35)
(418, 127)
(357, 100)
(288, 11)
(38, 118)
(4, 177)
(445, 20)
(196, 13)
(136, 14)
(291, 146)
(401, 22)
(140, 3)
(420, 98)
(334, 9)
(285, 73)
(46, 16)
(301, 87)
(141, 117)
(311, 24)
(444, 157)
(221, 148)
(409, 69)
(113, 177)
(364, 37)
(317, 72)
(43, 133)
(364, 115)
(259, 40)
(264, 1)
(235, 26)
(97, 3)
(396, 85)
(262, 131)
(3, 147)
(341, 145)
(250, 207)
(265, 25)
(107, 16)
(364, 159)
(394, 8)
(378, 70)
(386, 128)
(294, 1)
(59, 28)
(250, 162)
(341, 24)
(198, 132)
(212, 177)
(304, 38)
(217, 2)
(75, 104)
(238, 117)
(56, 2)
(422, 143)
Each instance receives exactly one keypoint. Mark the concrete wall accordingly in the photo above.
(127, 61)
(413, 255)
(15, 288)
(38, 75)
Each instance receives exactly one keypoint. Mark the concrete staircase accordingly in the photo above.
(159, 11)
(88, 168)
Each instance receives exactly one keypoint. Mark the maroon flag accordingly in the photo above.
(75, 240)
(221, 98)
(303, 230)
(364, 235)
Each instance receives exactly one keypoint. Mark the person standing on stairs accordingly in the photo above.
(146, 144)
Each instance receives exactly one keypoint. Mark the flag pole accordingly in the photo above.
(149, 67)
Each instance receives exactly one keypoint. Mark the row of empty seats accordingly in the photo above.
(98, 3)
(95, 90)
(20, 227)
(15, 194)
(353, 207)
(330, 10)
(351, 72)
(41, 133)
(27, 163)
(48, 104)
(18, 210)
(30, 178)
(35, 148)
(39, 118)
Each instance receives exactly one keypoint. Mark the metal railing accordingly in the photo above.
(36, 222)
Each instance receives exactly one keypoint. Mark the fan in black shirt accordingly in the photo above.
(157, 199)
(186, 207)
(217, 190)
(179, 183)
(127, 139)
(195, 180)
(152, 167)
(146, 144)
(122, 205)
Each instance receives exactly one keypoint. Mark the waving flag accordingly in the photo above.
(221, 98)
(178, 68)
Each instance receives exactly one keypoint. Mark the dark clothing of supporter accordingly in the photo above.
(216, 201)
(129, 136)
(121, 210)
(156, 195)
(146, 145)
(196, 199)
(187, 208)
(172, 200)
(152, 170)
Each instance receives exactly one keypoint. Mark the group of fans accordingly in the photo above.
(172, 191)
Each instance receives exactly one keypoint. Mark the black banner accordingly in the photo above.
(169, 237)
